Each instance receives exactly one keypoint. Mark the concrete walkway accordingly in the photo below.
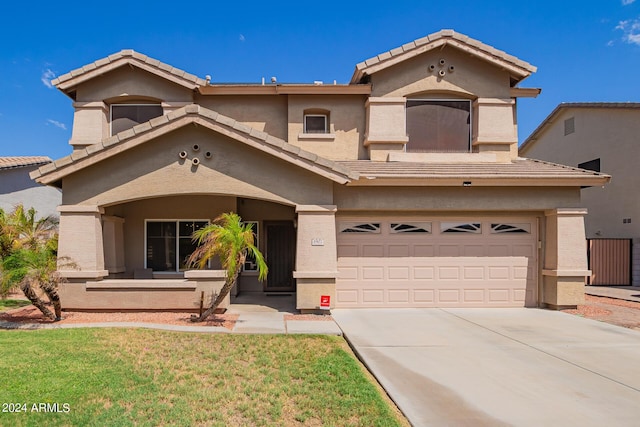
(493, 367)
(628, 293)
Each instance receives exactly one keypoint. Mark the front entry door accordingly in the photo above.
(280, 255)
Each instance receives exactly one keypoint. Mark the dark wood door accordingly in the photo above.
(280, 255)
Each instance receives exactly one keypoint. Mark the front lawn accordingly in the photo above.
(9, 304)
(151, 378)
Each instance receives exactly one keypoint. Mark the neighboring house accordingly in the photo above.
(16, 187)
(602, 137)
(402, 188)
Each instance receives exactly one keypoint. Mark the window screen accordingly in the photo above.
(315, 123)
(126, 116)
(439, 125)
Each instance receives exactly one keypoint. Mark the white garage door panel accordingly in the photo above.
(432, 281)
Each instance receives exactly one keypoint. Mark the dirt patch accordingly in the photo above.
(30, 314)
(318, 317)
(610, 310)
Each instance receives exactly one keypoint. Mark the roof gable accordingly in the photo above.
(567, 106)
(517, 68)
(67, 82)
(192, 114)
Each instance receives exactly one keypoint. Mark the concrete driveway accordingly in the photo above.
(491, 367)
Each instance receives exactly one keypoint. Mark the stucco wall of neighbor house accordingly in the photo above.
(154, 169)
(347, 125)
(455, 198)
(267, 113)
(16, 187)
(610, 134)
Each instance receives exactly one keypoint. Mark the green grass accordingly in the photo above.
(122, 377)
(8, 304)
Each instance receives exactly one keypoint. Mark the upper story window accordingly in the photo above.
(126, 116)
(316, 121)
(439, 125)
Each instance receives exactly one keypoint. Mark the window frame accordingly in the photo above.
(177, 244)
(326, 123)
(426, 100)
(134, 104)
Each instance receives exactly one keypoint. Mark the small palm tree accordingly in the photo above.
(230, 240)
(28, 252)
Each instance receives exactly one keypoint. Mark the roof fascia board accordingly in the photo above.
(356, 89)
(524, 92)
(421, 181)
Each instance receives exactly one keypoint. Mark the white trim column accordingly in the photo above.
(80, 243)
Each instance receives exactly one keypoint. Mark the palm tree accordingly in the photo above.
(230, 240)
(28, 252)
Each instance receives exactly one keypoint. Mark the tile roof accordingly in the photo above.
(569, 105)
(23, 161)
(126, 56)
(192, 113)
(517, 67)
(520, 169)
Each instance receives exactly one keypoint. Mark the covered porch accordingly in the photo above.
(141, 247)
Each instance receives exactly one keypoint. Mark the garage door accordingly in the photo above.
(437, 263)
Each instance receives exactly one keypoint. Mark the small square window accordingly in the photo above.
(315, 123)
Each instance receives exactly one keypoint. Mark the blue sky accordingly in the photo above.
(584, 50)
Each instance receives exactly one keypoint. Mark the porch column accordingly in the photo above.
(316, 255)
(80, 245)
(113, 236)
(565, 263)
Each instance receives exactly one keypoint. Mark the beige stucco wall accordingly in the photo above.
(267, 113)
(472, 76)
(154, 169)
(125, 84)
(610, 134)
(132, 82)
(347, 123)
(455, 198)
(429, 75)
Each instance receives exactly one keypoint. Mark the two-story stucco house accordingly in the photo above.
(402, 188)
(603, 137)
(17, 188)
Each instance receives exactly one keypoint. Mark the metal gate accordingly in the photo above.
(609, 261)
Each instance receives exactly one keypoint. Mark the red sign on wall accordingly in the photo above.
(325, 301)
